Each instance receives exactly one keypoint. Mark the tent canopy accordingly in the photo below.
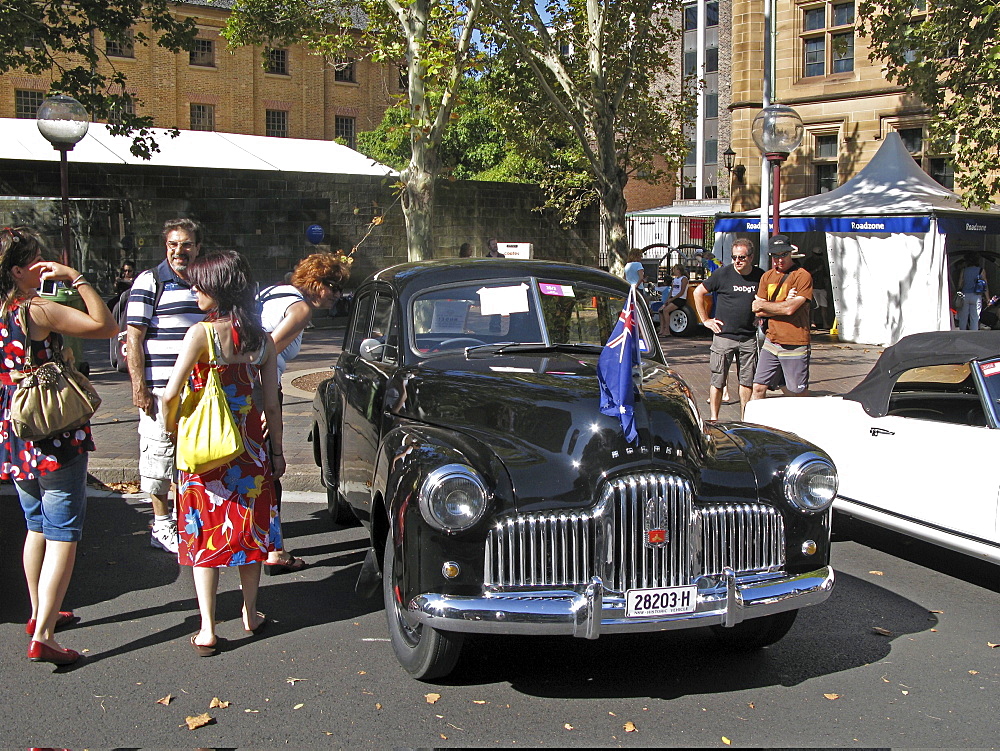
(20, 139)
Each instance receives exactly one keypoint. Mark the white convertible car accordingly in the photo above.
(917, 442)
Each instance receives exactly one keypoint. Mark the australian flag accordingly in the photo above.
(614, 368)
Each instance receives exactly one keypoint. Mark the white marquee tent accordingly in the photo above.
(887, 231)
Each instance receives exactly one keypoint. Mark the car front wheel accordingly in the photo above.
(755, 633)
(424, 652)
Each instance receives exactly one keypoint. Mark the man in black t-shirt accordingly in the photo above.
(734, 287)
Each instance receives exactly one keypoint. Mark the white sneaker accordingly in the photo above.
(164, 536)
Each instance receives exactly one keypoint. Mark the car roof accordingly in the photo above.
(409, 278)
(916, 351)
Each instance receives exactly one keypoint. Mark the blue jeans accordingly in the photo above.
(55, 504)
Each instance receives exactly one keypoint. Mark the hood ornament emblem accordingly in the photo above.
(655, 522)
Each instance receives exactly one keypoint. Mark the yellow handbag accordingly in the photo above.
(207, 433)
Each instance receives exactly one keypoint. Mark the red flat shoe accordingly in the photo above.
(38, 652)
(65, 618)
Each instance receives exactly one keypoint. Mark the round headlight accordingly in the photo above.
(452, 498)
(811, 483)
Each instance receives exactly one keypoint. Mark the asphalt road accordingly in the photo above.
(323, 675)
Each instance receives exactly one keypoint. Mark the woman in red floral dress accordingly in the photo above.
(50, 474)
(228, 516)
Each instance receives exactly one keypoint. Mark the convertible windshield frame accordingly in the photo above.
(460, 325)
(986, 374)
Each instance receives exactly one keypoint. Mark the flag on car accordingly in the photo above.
(614, 368)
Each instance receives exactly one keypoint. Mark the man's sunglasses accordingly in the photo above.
(741, 258)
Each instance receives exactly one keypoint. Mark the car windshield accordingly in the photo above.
(528, 311)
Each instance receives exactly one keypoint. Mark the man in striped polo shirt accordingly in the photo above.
(156, 329)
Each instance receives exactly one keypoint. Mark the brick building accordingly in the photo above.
(297, 95)
(823, 71)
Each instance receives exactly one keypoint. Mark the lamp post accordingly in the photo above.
(63, 122)
(777, 131)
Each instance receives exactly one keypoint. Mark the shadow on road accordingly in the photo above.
(669, 665)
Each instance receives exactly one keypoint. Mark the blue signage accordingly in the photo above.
(969, 225)
(862, 225)
(315, 234)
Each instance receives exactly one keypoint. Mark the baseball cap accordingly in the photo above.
(778, 245)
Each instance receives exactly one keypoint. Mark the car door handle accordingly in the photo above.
(879, 431)
(344, 374)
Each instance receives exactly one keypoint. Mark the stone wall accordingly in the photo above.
(265, 214)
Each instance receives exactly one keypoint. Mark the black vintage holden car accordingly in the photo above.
(462, 427)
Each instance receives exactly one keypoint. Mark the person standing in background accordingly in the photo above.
(156, 326)
(974, 290)
(465, 251)
(285, 312)
(492, 251)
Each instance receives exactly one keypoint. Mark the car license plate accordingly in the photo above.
(643, 603)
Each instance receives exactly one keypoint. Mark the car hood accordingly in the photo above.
(539, 414)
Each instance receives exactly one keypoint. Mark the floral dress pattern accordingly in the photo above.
(228, 516)
(28, 460)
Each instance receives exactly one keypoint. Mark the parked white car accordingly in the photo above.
(917, 442)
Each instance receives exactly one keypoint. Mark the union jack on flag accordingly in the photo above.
(614, 368)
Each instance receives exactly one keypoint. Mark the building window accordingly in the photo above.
(916, 142)
(202, 117)
(343, 128)
(203, 53)
(691, 158)
(941, 170)
(825, 153)
(711, 59)
(827, 46)
(344, 72)
(690, 62)
(711, 151)
(276, 123)
(123, 46)
(826, 177)
(119, 108)
(913, 140)
(712, 14)
(690, 17)
(277, 62)
(711, 104)
(27, 102)
(826, 147)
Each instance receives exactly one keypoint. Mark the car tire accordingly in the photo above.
(424, 652)
(682, 321)
(755, 633)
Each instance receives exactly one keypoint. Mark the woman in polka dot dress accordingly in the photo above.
(50, 474)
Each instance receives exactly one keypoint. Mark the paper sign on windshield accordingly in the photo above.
(990, 368)
(503, 300)
(449, 316)
(556, 290)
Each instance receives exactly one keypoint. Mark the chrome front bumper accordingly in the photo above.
(588, 614)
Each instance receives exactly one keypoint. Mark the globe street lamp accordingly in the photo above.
(777, 131)
(63, 122)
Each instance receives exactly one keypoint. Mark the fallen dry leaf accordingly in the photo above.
(991, 645)
(568, 726)
(165, 700)
(832, 697)
(198, 721)
(298, 706)
(877, 573)
(362, 672)
(443, 736)
(630, 727)
(906, 693)
(378, 706)
(252, 711)
(292, 681)
(884, 679)
(432, 698)
(973, 672)
(726, 741)
(935, 611)
(750, 704)
(439, 716)
(881, 631)
(934, 630)
(217, 703)
(612, 714)
(478, 701)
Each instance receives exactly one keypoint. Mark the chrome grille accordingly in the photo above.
(632, 563)
(541, 550)
(746, 537)
(567, 549)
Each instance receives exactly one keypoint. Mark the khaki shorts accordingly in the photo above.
(721, 357)
(156, 450)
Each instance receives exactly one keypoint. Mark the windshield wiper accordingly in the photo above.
(510, 347)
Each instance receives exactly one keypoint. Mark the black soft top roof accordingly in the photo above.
(919, 350)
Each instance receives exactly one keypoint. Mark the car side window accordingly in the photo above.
(362, 322)
(385, 329)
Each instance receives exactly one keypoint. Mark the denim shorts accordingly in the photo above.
(55, 504)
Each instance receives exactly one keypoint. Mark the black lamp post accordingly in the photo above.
(777, 130)
(63, 122)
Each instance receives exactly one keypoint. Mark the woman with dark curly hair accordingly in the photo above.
(285, 311)
(228, 515)
(50, 474)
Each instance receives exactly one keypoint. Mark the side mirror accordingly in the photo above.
(372, 349)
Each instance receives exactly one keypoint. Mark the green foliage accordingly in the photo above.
(39, 36)
(949, 58)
